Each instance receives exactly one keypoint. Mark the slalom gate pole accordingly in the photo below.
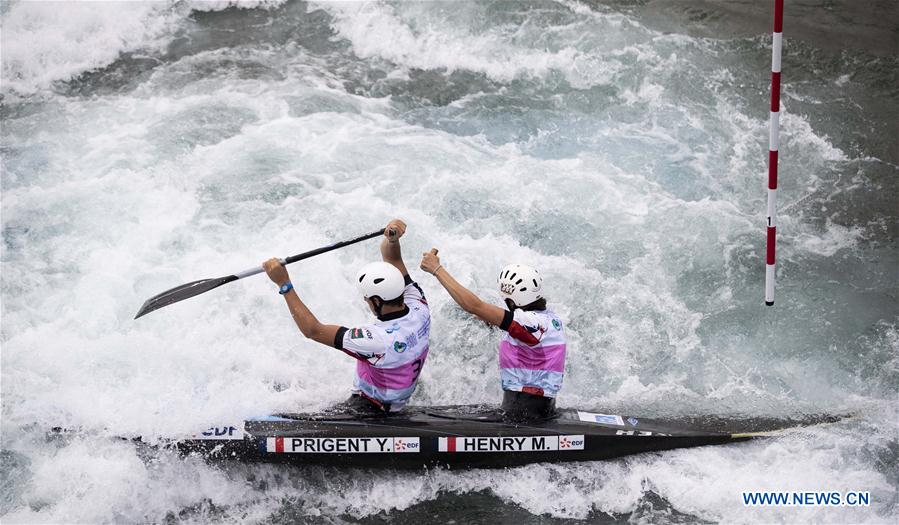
(773, 143)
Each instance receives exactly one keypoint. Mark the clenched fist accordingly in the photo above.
(430, 262)
(276, 271)
(394, 230)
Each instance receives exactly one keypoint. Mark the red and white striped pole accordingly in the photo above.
(773, 143)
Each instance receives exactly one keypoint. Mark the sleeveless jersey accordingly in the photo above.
(532, 353)
(390, 352)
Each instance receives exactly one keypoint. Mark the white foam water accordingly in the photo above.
(149, 144)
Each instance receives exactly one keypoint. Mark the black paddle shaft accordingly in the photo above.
(341, 244)
(186, 291)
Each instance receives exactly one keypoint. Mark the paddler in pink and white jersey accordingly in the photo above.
(390, 352)
(532, 350)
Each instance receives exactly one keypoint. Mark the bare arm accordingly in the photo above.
(390, 245)
(306, 321)
(302, 316)
(464, 297)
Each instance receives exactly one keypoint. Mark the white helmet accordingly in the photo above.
(522, 284)
(380, 279)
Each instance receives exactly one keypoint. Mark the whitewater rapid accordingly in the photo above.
(145, 145)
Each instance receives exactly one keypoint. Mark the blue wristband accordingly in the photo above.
(286, 288)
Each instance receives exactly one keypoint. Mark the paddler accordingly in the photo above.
(391, 351)
(532, 350)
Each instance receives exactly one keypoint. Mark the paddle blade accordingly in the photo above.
(180, 293)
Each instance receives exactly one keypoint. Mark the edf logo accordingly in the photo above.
(567, 442)
(219, 431)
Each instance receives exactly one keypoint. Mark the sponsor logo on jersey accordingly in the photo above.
(425, 328)
(604, 419)
(219, 433)
(399, 347)
(346, 445)
(510, 443)
(392, 329)
(556, 324)
(357, 333)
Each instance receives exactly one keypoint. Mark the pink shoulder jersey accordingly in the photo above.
(532, 353)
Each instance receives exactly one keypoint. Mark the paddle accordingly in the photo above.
(186, 291)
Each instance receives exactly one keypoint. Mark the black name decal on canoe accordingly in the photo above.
(359, 445)
(510, 444)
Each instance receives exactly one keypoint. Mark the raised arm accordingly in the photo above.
(390, 245)
(302, 316)
(464, 297)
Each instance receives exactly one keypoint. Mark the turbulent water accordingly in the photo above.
(147, 145)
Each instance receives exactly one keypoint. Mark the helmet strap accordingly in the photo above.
(510, 305)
